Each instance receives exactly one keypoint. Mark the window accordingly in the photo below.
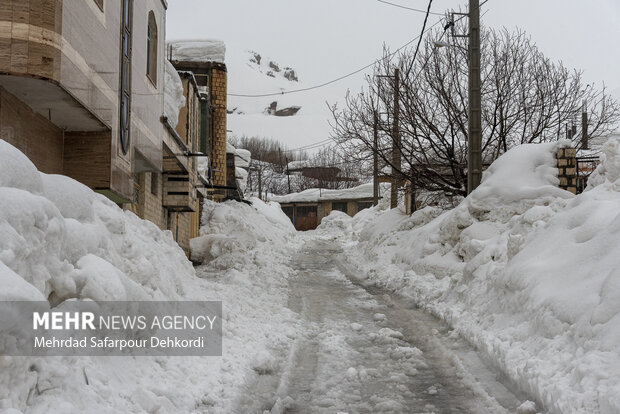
(305, 211)
(154, 183)
(340, 206)
(151, 49)
(288, 210)
(361, 205)
(125, 75)
(99, 4)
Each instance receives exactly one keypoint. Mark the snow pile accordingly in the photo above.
(203, 167)
(246, 250)
(59, 237)
(61, 241)
(525, 271)
(234, 227)
(198, 50)
(174, 99)
(242, 158)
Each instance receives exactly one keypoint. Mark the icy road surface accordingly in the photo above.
(365, 351)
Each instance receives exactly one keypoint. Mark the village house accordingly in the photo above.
(82, 90)
(307, 208)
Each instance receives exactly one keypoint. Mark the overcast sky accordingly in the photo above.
(324, 39)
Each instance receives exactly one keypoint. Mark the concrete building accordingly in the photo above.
(82, 94)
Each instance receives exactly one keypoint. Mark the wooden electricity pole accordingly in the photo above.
(395, 142)
(375, 160)
(474, 152)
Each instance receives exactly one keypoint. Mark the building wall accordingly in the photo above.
(30, 39)
(147, 100)
(323, 210)
(180, 225)
(150, 201)
(80, 163)
(31, 133)
(352, 208)
(73, 46)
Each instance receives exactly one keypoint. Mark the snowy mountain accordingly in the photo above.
(296, 119)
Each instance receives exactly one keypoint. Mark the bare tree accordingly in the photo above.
(526, 97)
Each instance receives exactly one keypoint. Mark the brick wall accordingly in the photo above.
(180, 225)
(32, 134)
(218, 101)
(567, 169)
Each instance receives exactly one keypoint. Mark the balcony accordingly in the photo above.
(179, 193)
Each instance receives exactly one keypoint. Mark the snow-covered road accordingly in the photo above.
(365, 351)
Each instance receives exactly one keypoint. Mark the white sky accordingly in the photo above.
(325, 39)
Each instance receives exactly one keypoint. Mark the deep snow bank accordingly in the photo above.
(525, 271)
(233, 227)
(69, 242)
(59, 240)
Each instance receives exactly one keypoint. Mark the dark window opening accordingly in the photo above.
(305, 211)
(340, 206)
(154, 183)
(99, 4)
(289, 212)
(361, 205)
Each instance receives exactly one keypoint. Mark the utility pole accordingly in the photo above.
(474, 152)
(584, 126)
(375, 160)
(288, 175)
(395, 142)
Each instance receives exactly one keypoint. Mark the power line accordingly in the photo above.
(311, 146)
(408, 8)
(355, 72)
(337, 79)
(428, 11)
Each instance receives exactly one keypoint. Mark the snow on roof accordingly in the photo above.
(314, 195)
(174, 99)
(198, 50)
(230, 148)
(242, 158)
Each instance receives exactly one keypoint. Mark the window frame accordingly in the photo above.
(152, 45)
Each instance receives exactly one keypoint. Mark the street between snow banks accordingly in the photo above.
(365, 351)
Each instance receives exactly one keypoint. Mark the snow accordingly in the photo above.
(61, 241)
(226, 228)
(317, 194)
(174, 98)
(242, 158)
(249, 117)
(198, 50)
(526, 272)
